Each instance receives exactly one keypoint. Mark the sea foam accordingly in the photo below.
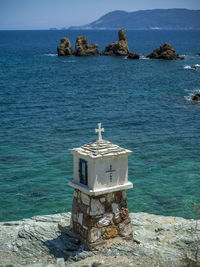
(49, 55)
(187, 67)
(193, 67)
(143, 57)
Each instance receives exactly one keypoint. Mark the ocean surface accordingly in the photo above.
(49, 105)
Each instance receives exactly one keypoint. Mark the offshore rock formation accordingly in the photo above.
(65, 48)
(118, 48)
(165, 51)
(196, 97)
(84, 49)
(158, 241)
(133, 56)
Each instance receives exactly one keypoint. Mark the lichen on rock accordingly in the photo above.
(110, 232)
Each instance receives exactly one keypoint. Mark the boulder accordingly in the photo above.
(118, 48)
(198, 54)
(196, 97)
(82, 47)
(165, 51)
(133, 56)
(65, 48)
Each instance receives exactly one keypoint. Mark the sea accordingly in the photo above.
(50, 104)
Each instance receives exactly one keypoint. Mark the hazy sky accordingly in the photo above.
(44, 14)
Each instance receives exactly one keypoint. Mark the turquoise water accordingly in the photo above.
(49, 105)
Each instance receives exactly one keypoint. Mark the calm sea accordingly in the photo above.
(49, 105)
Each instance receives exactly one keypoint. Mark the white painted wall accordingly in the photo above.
(119, 176)
(98, 178)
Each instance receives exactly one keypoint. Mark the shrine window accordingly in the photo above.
(83, 172)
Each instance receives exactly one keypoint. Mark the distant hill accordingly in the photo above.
(146, 19)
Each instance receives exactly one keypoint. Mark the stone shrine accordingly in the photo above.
(99, 211)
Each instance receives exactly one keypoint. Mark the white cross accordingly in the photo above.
(99, 130)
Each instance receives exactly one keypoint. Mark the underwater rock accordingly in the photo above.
(165, 51)
(65, 48)
(118, 48)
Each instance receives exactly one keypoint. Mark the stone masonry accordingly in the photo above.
(99, 218)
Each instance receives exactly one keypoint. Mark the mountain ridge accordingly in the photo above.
(175, 18)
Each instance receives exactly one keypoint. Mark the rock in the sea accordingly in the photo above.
(122, 35)
(118, 48)
(165, 51)
(198, 54)
(84, 49)
(65, 48)
(133, 56)
(196, 97)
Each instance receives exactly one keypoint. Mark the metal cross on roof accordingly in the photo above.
(99, 130)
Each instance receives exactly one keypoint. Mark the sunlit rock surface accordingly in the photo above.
(118, 48)
(158, 240)
(165, 51)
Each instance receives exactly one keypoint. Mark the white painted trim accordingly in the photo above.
(91, 192)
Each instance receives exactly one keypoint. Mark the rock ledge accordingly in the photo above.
(158, 241)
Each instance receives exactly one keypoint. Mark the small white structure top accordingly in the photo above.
(100, 149)
(100, 167)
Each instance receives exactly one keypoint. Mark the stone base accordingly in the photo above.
(98, 245)
(98, 220)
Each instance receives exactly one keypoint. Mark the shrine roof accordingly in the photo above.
(101, 148)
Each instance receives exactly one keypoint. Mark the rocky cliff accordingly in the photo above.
(158, 241)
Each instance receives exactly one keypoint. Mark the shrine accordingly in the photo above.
(99, 211)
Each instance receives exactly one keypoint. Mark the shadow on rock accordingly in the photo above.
(64, 247)
(68, 248)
